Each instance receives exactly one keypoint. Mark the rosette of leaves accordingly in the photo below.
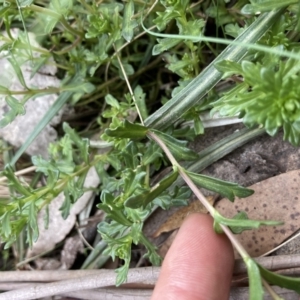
(268, 95)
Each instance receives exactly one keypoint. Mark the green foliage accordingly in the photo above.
(95, 46)
(267, 96)
(290, 283)
(146, 197)
(177, 147)
(265, 5)
(229, 190)
(255, 285)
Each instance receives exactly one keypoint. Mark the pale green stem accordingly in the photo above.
(199, 194)
(170, 156)
(129, 87)
(270, 290)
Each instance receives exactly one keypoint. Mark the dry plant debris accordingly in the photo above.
(276, 198)
(178, 217)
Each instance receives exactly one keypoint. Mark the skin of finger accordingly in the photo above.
(198, 265)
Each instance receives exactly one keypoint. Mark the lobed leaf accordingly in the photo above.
(227, 189)
(177, 147)
(243, 223)
(128, 22)
(143, 199)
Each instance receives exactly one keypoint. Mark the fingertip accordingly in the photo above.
(199, 263)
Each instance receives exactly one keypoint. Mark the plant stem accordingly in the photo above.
(170, 156)
(21, 172)
(270, 290)
(32, 92)
(129, 88)
(199, 195)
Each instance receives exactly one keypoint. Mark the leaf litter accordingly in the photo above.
(276, 198)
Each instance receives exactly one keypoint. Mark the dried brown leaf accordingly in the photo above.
(178, 217)
(276, 198)
(167, 244)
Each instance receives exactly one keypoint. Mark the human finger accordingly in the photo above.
(198, 265)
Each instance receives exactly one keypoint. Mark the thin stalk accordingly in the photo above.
(271, 291)
(31, 92)
(199, 195)
(130, 89)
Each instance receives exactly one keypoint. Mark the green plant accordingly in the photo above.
(103, 53)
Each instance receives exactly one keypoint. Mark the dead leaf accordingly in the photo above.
(58, 227)
(178, 217)
(167, 244)
(276, 198)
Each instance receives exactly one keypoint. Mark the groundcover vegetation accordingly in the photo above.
(138, 75)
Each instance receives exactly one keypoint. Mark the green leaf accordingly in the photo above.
(6, 224)
(290, 283)
(18, 71)
(32, 217)
(177, 147)
(66, 206)
(46, 217)
(194, 92)
(82, 144)
(228, 68)
(179, 197)
(128, 23)
(243, 223)
(17, 108)
(152, 255)
(55, 108)
(128, 130)
(240, 216)
(164, 44)
(61, 7)
(122, 273)
(3, 90)
(140, 96)
(3, 10)
(82, 87)
(112, 101)
(198, 125)
(227, 189)
(146, 197)
(133, 181)
(75, 187)
(24, 3)
(14, 182)
(153, 152)
(217, 228)
(258, 6)
(256, 291)
(130, 155)
(114, 212)
(43, 165)
(136, 231)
